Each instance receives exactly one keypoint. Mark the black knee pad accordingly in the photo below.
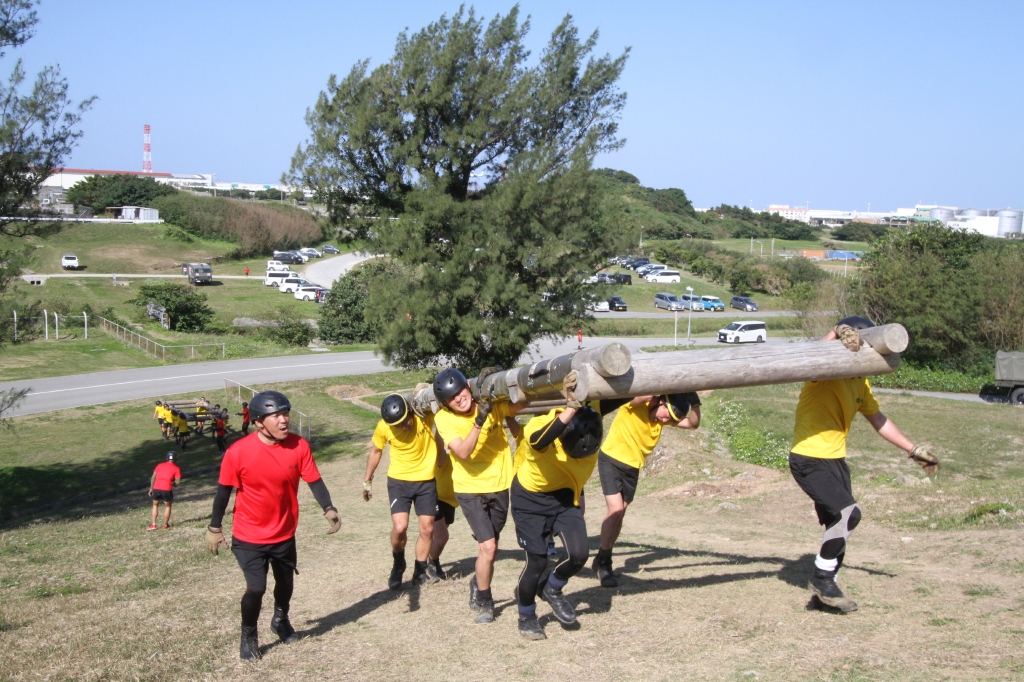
(256, 589)
(854, 519)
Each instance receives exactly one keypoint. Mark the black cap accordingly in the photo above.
(857, 322)
(582, 435)
(268, 402)
(394, 410)
(448, 383)
(678, 406)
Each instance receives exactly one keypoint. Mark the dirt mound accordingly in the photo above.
(750, 482)
(346, 391)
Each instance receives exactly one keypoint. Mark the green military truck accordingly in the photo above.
(1010, 374)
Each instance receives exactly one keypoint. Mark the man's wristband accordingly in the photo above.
(214, 530)
(330, 508)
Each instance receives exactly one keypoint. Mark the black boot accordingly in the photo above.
(395, 581)
(560, 606)
(530, 628)
(421, 574)
(602, 567)
(824, 587)
(484, 609)
(434, 569)
(474, 592)
(282, 627)
(250, 649)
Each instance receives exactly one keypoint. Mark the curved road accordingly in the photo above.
(326, 272)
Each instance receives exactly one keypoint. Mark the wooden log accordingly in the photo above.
(887, 338)
(731, 367)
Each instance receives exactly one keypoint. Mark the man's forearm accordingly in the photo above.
(220, 505)
(372, 461)
(321, 494)
(464, 448)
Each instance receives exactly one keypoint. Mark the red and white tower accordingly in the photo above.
(147, 158)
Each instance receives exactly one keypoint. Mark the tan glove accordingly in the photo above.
(849, 336)
(215, 539)
(928, 461)
(332, 518)
(420, 386)
(568, 390)
(484, 373)
(367, 490)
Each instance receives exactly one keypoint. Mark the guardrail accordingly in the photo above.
(158, 350)
(240, 392)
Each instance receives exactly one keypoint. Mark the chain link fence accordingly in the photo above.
(303, 425)
(183, 353)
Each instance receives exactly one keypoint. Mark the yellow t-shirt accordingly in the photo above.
(551, 469)
(413, 451)
(158, 412)
(200, 410)
(489, 467)
(824, 414)
(445, 488)
(632, 435)
(165, 413)
(182, 425)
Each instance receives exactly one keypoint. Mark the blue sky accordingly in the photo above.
(835, 104)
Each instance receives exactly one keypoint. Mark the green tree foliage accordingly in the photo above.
(343, 315)
(186, 307)
(393, 154)
(744, 223)
(100, 192)
(292, 332)
(743, 274)
(958, 294)
(859, 232)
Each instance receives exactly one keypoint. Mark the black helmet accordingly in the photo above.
(448, 383)
(582, 435)
(394, 409)
(244, 404)
(172, 456)
(268, 402)
(857, 322)
(678, 406)
(159, 403)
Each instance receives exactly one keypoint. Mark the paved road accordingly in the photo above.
(326, 272)
(696, 316)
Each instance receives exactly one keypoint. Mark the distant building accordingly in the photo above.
(989, 222)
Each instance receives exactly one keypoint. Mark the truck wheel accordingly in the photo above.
(1017, 397)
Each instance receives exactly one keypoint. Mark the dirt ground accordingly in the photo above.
(713, 562)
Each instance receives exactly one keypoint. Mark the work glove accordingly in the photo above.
(215, 539)
(928, 461)
(332, 518)
(849, 336)
(419, 387)
(484, 373)
(568, 388)
(367, 490)
(483, 409)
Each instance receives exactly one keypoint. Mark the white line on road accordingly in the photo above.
(192, 376)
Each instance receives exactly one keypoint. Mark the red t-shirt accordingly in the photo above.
(267, 481)
(220, 427)
(245, 414)
(166, 472)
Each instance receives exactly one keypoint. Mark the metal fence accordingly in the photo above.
(182, 353)
(51, 324)
(240, 392)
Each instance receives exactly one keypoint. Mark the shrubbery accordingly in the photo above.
(184, 305)
(99, 192)
(743, 274)
(343, 316)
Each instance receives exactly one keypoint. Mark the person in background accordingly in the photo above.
(161, 488)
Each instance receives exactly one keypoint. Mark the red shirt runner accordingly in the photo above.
(245, 414)
(166, 472)
(266, 478)
(220, 427)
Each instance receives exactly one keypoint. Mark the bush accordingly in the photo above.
(343, 314)
(292, 332)
(859, 232)
(912, 378)
(102, 191)
(185, 306)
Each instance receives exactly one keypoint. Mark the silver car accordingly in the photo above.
(668, 302)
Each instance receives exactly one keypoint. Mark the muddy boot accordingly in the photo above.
(434, 569)
(282, 627)
(250, 649)
(530, 628)
(602, 567)
(823, 586)
(484, 609)
(474, 592)
(397, 569)
(560, 606)
(421, 574)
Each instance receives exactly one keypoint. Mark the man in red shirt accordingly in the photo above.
(161, 486)
(218, 425)
(245, 419)
(265, 469)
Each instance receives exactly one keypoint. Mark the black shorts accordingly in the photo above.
(539, 515)
(486, 513)
(403, 494)
(827, 482)
(617, 477)
(163, 496)
(445, 512)
(255, 559)
(160, 421)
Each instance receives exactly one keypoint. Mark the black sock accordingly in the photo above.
(484, 594)
(399, 557)
(604, 554)
(420, 565)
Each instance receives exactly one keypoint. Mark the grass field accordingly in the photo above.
(713, 564)
(786, 245)
(704, 325)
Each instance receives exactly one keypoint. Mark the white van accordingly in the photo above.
(743, 332)
(277, 266)
(274, 279)
(664, 276)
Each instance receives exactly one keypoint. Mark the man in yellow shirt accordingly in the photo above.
(631, 437)
(559, 454)
(414, 456)
(158, 414)
(817, 461)
(472, 429)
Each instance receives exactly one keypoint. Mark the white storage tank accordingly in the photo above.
(972, 212)
(943, 214)
(1009, 222)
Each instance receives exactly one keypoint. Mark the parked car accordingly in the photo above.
(743, 303)
(591, 279)
(713, 303)
(743, 332)
(668, 302)
(623, 278)
(645, 270)
(637, 262)
(598, 306)
(274, 279)
(199, 273)
(304, 257)
(664, 276)
(276, 266)
(692, 302)
(616, 303)
(605, 278)
(330, 248)
(289, 285)
(321, 295)
(307, 292)
(69, 261)
(311, 252)
(287, 257)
